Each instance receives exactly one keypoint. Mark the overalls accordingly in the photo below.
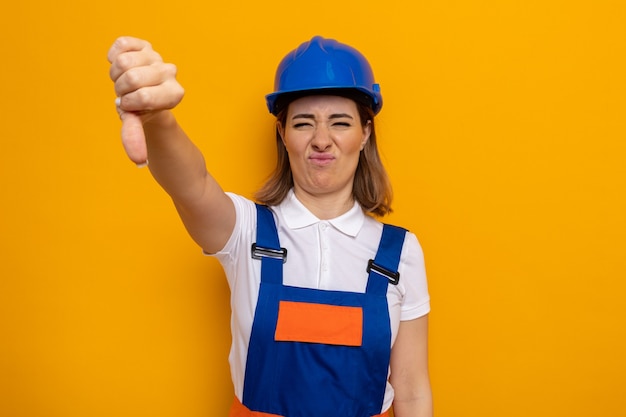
(317, 353)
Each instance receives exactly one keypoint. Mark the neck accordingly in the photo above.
(325, 206)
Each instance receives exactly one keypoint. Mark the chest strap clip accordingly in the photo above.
(259, 252)
(393, 277)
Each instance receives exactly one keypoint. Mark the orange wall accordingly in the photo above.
(504, 131)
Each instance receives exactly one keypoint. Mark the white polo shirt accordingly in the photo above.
(321, 254)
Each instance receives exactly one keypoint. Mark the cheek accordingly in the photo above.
(292, 145)
(358, 143)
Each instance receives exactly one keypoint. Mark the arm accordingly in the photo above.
(409, 370)
(147, 91)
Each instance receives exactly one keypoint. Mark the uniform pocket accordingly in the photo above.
(319, 323)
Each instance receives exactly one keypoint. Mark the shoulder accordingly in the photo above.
(412, 256)
(241, 203)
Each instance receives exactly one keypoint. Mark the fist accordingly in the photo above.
(145, 86)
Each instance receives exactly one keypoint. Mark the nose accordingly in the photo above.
(321, 140)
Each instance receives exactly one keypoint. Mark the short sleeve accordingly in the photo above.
(232, 256)
(416, 299)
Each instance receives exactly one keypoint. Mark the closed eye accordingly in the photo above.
(342, 120)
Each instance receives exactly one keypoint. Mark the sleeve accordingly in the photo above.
(231, 256)
(416, 299)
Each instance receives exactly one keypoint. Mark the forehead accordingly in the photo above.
(320, 104)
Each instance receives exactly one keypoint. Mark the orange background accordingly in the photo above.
(504, 132)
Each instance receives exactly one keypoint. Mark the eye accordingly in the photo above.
(342, 124)
(301, 125)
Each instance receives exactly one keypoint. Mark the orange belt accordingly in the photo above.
(240, 410)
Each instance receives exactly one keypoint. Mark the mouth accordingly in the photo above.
(321, 159)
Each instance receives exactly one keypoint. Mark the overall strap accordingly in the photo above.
(267, 247)
(387, 259)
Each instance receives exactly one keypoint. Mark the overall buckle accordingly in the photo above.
(259, 252)
(393, 277)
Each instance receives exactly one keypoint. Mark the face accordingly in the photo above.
(323, 136)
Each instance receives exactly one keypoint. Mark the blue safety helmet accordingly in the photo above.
(324, 66)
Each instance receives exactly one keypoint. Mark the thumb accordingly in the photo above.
(134, 138)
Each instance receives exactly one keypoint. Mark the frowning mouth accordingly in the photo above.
(321, 159)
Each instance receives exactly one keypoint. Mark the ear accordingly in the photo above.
(367, 131)
(281, 130)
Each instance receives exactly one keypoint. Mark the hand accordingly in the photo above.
(145, 86)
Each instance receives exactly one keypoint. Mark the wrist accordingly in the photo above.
(162, 119)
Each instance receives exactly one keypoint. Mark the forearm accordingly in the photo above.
(179, 167)
(417, 407)
(409, 370)
(174, 161)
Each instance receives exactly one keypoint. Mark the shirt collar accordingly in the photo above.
(297, 216)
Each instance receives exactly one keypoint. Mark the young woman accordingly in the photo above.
(329, 305)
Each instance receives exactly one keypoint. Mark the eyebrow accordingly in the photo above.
(332, 116)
